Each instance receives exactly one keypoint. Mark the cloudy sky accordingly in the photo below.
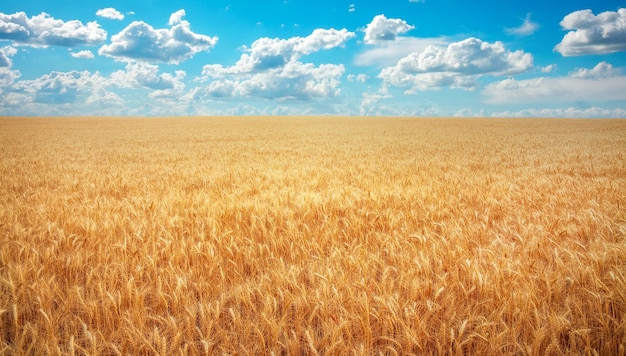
(296, 57)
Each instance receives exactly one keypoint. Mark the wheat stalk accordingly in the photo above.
(312, 235)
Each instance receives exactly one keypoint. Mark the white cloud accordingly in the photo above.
(43, 30)
(270, 68)
(368, 100)
(593, 34)
(10, 98)
(549, 68)
(600, 71)
(469, 112)
(80, 88)
(268, 53)
(382, 29)
(140, 41)
(388, 53)
(177, 17)
(357, 78)
(392, 107)
(78, 92)
(82, 54)
(59, 93)
(470, 56)
(60, 87)
(7, 79)
(5, 61)
(458, 65)
(352, 8)
(110, 13)
(146, 75)
(600, 84)
(5, 56)
(16, 101)
(101, 97)
(525, 29)
(294, 80)
(221, 89)
(569, 112)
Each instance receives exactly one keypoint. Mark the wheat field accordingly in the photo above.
(312, 235)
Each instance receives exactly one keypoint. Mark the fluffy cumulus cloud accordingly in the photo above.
(43, 30)
(140, 41)
(60, 87)
(5, 56)
(61, 93)
(146, 75)
(600, 71)
(593, 34)
(382, 29)
(456, 66)
(82, 54)
(267, 53)
(369, 100)
(110, 13)
(295, 80)
(103, 98)
(71, 92)
(270, 68)
(8, 78)
(177, 17)
(603, 83)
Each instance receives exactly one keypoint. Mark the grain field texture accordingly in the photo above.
(312, 235)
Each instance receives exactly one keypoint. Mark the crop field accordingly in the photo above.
(312, 235)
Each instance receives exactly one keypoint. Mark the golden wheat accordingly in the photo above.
(312, 236)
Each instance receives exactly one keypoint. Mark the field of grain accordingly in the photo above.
(256, 236)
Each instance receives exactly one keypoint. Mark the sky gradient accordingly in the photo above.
(290, 57)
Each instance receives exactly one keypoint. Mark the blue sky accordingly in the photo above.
(291, 57)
